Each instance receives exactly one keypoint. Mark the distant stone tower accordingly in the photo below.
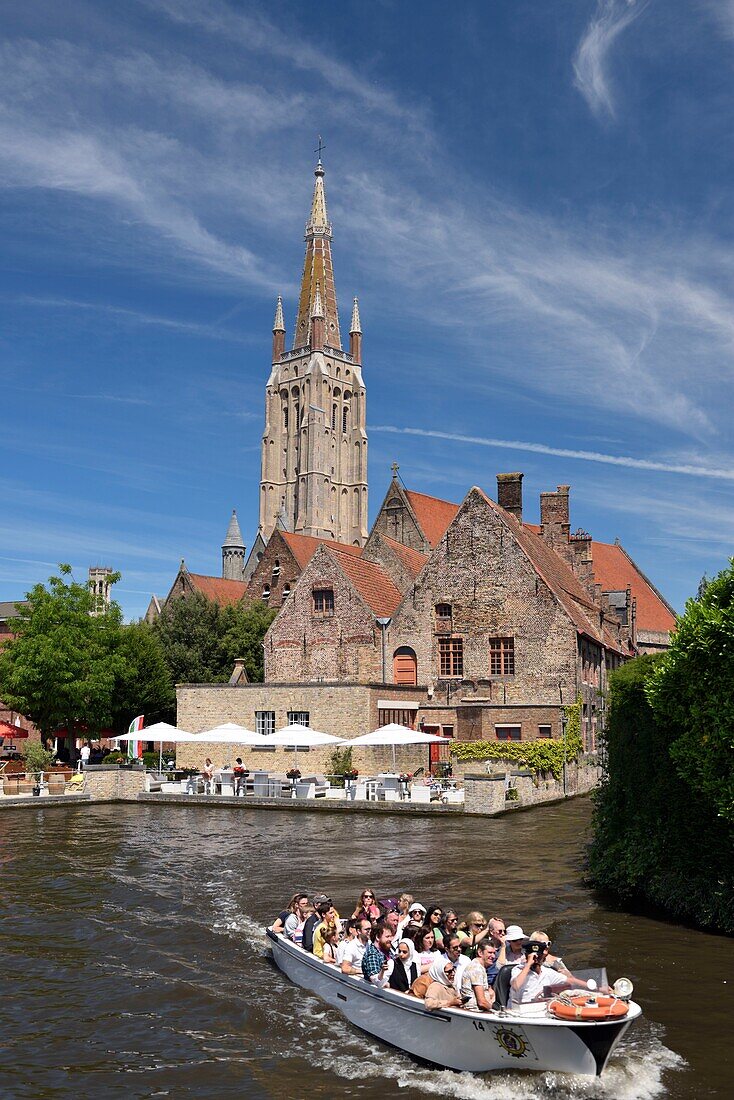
(233, 552)
(99, 586)
(314, 449)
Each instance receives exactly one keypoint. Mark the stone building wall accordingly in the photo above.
(344, 710)
(279, 558)
(344, 646)
(494, 591)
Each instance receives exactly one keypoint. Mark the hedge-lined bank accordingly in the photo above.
(663, 823)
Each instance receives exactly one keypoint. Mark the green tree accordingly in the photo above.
(145, 685)
(692, 693)
(201, 640)
(243, 629)
(62, 668)
(189, 632)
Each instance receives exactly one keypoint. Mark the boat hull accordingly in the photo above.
(453, 1038)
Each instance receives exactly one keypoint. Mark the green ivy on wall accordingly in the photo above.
(540, 756)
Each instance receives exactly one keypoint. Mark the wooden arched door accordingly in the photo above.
(405, 666)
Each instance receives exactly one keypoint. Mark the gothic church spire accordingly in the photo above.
(317, 268)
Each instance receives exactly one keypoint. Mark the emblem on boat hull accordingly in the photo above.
(512, 1043)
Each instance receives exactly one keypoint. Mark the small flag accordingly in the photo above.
(135, 748)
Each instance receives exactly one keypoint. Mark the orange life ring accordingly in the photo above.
(582, 1006)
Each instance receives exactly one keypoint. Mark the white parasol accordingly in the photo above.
(299, 737)
(394, 734)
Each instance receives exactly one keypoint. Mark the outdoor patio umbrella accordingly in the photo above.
(159, 731)
(229, 733)
(393, 735)
(296, 736)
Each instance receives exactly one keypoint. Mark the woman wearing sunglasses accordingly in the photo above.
(367, 907)
(434, 920)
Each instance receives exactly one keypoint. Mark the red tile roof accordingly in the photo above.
(433, 515)
(561, 580)
(412, 559)
(303, 547)
(374, 585)
(217, 589)
(614, 570)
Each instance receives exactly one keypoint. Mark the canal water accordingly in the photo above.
(133, 960)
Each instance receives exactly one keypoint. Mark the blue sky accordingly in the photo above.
(532, 201)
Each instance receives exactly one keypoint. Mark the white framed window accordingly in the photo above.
(299, 718)
(545, 731)
(265, 721)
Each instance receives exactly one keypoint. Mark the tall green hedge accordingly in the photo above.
(655, 837)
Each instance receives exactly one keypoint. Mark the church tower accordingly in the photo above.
(314, 450)
(233, 552)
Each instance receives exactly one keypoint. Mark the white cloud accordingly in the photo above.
(590, 63)
(721, 474)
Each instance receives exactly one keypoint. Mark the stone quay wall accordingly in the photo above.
(485, 794)
(107, 783)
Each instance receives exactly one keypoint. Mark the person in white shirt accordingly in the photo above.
(294, 922)
(351, 951)
(85, 753)
(531, 979)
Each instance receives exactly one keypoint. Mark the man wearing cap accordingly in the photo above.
(531, 979)
(514, 939)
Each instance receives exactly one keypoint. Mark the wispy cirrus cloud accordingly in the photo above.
(629, 461)
(591, 61)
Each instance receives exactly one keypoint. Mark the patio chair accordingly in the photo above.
(76, 784)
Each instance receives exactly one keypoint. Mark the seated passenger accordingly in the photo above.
(533, 981)
(555, 962)
(441, 992)
(330, 943)
(278, 925)
(300, 910)
(450, 925)
(514, 940)
(416, 919)
(329, 918)
(476, 994)
(492, 957)
(392, 920)
(322, 904)
(425, 947)
(377, 965)
(474, 927)
(367, 907)
(404, 903)
(434, 920)
(452, 953)
(351, 952)
(240, 776)
(405, 971)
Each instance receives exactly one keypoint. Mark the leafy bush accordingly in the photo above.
(37, 759)
(114, 757)
(150, 759)
(655, 837)
(339, 763)
(544, 756)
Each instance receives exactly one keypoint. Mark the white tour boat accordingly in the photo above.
(526, 1038)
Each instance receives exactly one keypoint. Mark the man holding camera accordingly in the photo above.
(531, 979)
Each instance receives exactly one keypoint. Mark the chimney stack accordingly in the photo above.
(555, 526)
(509, 493)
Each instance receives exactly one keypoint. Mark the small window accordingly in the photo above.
(333, 418)
(386, 716)
(544, 732)
(298, 718)
(451, 657)
(323, 602)
(286, 590)
(345, 417)
(443, 616)
(266, 592)
(276, 571)
(508, 733)
(265, 721)
(502, 656)
(285, 418)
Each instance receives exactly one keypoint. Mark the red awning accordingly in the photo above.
(7, 729)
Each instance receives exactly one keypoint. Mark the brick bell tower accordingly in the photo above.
(314, 451)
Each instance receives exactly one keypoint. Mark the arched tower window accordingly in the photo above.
(333, 417)
(345, 417)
